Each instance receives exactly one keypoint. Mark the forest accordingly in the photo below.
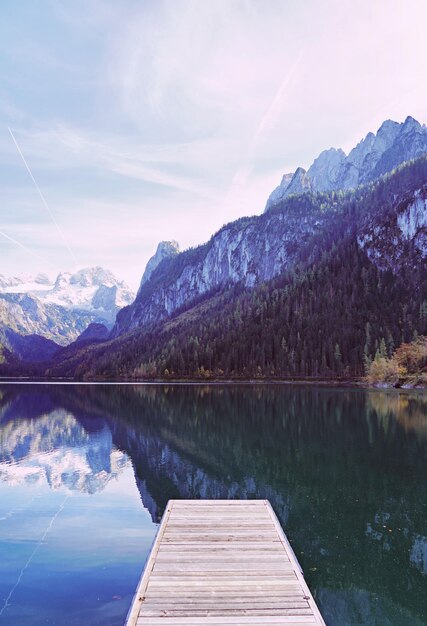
(329, 316)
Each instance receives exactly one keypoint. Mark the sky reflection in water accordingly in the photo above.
(86, 471)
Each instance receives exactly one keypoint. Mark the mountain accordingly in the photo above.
(7, 357)
(24, 282)
(94, 332)
(92, 289)
(165, 249)
(257, 249)
(29, 347)
(250, 250)
(313, 287)
(374, 156)
(62, 310)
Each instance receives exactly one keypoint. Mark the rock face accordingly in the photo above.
(165, 249)
(277, 195)
(324, 174)
(293, 183)
(374, 156)
(60, 311)
(387, 241)
(252, 250)
(249, 251)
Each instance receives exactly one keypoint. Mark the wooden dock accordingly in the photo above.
(222, 562)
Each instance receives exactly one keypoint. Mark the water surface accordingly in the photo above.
(86, 471)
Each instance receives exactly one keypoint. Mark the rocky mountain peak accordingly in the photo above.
(164, 250)
(388, 127)
(375, 155)
(286, 178)
(279, 193)
(61, 280)
(299, 173)
(168, 247)
(300, 182)
(411, 123)
(325, 170)
(94, 276)
(357, 155)
(386, 136)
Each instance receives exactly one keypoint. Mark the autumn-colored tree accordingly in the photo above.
(413, 356)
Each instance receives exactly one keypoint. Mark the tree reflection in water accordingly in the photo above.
(344, 469)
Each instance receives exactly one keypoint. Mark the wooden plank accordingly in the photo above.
(222, 562)
(191, 612)
(225, 568)
(266, 529)
(290, 589)
(236, 620)
(230, 603)
(226, 545)
(229, 556)
(183, 503)
(233, 524)
(226, 579)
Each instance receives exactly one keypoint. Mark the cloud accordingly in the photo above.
(157, 120)
(25, 248)
(204, 67)
(66, 147)
(43, 199)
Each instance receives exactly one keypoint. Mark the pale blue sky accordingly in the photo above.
(150, 120)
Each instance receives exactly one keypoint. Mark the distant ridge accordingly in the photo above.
(57, 310)
(374, 156)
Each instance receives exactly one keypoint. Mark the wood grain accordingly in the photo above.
(222, 562)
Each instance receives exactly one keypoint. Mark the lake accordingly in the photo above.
(86, 472)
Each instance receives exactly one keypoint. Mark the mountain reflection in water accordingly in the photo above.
(345, 471)
(56, 448)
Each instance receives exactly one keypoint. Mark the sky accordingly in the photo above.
(148, 120)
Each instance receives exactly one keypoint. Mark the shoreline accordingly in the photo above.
(324, 382)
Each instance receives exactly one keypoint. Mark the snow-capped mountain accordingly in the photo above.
(90, 289)
(57, 450)
(374, 156)
(60, 310)
(24, 283)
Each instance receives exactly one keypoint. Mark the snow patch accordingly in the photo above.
(92, 289)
